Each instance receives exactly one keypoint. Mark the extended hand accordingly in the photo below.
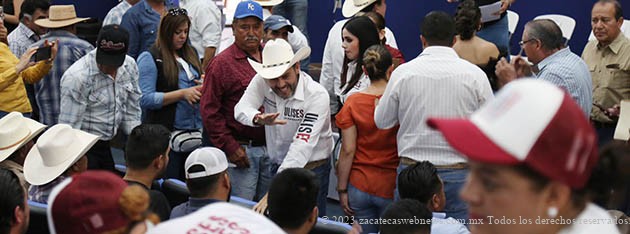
(261, 206)
(269, 119)
(505, 72)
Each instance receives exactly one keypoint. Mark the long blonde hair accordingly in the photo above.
(168, 24)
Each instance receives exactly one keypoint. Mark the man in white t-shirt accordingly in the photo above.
(205, 28)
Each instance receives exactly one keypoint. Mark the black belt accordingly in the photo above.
(598, 124)
(254, 143)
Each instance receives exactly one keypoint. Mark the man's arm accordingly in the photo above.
(386, 113)
(316, 118)
(131, 116)
(209, 23)
(73, 98)
(252, 99)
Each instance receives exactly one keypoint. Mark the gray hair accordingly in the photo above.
(547, 32)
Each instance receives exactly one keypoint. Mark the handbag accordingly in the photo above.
(185, 141)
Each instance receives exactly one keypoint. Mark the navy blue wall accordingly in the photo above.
(404, 17)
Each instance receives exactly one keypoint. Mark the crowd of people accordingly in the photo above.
(461, 139)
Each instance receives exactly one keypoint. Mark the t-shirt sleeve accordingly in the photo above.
(344, 117)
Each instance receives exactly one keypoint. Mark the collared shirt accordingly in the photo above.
(187, 117)
(205, 28)
(48, 90)
(141, 21)
(435, 84)
(307, 136)
(114, 16)
(363, 83)
(440, 224)
(40, 193)
(12, 92)
(610, 70)
(97, 103)
(592, 219)
(227, 77)
(192, 205)
(21, 39)
(332, 62)
(17, 169)
(568, 71)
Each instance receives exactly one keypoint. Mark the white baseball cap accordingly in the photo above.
(212, 159)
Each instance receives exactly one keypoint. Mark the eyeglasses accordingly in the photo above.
(522, 43)
(177, 11)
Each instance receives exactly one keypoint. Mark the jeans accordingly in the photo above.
(297, 12)
(322, 172)
(498, 34)
(252, 183)
(454, 180)
(366, 206)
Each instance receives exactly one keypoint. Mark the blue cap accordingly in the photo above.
(275, 22)
(248, 8)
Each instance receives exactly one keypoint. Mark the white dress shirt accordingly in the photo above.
(332, 62)
(306, 137)
(205, 28)
(435, 84)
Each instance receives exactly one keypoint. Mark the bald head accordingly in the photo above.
(547, 32)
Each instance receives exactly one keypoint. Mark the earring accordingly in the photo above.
(552, 212)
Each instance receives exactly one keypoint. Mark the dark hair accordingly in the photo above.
(618, 9)
(379, 22)
(202, 186)
(370, 8)
(168, 25)
(410, 217)
(30, 6)
(599, 185)
(292, 197)
(376, 61)
(467, 19)
(363, 28)
(547, 32)
(419, 181)
(146, 142)
(438, 28)
(11, 195)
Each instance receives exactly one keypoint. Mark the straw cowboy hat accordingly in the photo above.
(351, 7)
(60, 16)
(277, 57)
(56, 150)
(268, 2)
(15, 131)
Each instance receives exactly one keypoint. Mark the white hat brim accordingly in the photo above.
(275, 72)
(269, 2)
(34, 127)
(36, 173)
(47, 23)
(349, 9)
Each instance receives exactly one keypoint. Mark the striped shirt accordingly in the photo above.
(95, 102)
(114, 16)
(435, 84)
(21, 39)
(568, 71)
(47, 90)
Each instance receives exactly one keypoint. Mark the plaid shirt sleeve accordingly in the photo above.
(73, 99)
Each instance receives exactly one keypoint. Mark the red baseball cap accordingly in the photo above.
(530, 121)
(87, 203)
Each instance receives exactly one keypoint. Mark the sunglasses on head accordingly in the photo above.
(177, 11)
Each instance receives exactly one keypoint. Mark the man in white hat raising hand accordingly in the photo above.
(297, 118)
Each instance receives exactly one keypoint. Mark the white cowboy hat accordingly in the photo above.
(15, 131)
(60, 16)
(277, 57)
(268, 2)
(56, 150)
(352, 7)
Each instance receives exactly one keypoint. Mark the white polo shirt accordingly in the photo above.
(306, 137)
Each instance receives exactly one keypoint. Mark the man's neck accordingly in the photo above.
(216, 196)
(144, 177)
(254, 53)
(604, 44)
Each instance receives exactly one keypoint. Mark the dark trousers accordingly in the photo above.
(100, 157)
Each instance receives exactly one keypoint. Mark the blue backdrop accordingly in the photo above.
(404, 17)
